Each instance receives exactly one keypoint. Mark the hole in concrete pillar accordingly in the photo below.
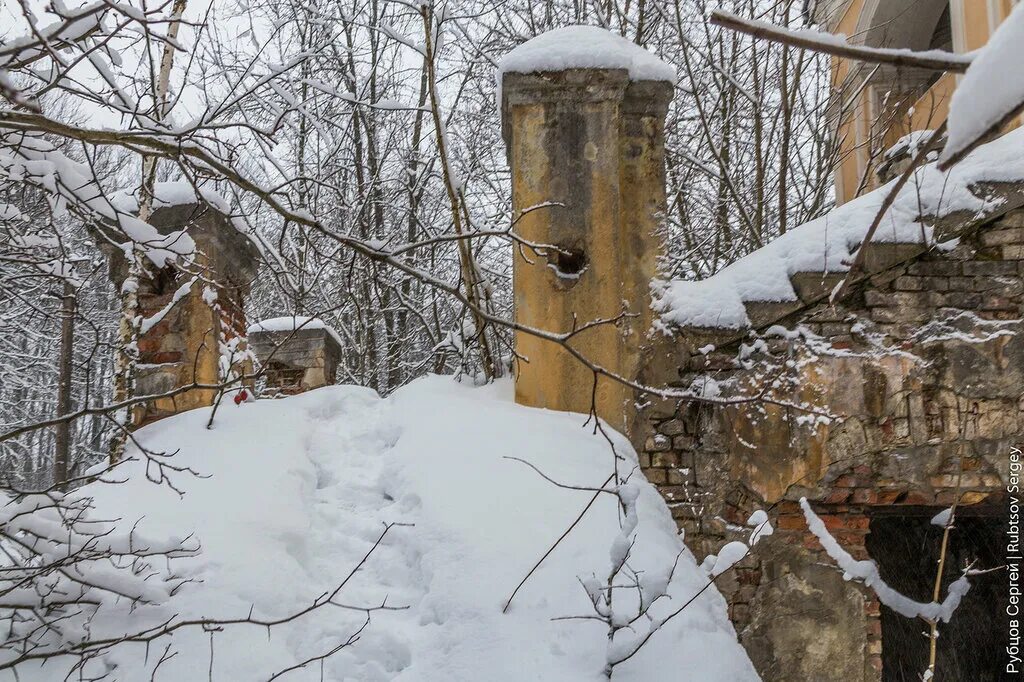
(906, 547)
(569, 263)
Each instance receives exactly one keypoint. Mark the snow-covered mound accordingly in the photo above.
(296, 491)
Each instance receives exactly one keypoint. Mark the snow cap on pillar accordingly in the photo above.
(585, 47)
(580, 47)
(204, 217)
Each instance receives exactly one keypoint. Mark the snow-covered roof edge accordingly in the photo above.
(291, 323)
(930, 209)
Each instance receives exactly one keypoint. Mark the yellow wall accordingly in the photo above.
(972, 23)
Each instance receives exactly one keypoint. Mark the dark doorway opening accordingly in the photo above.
(906, 547)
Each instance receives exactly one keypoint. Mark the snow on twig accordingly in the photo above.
(836, 44)
(866, 571)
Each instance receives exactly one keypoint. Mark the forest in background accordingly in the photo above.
(346, 112)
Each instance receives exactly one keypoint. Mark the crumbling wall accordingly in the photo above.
(908, 393)
(193, 318)
(296, 361)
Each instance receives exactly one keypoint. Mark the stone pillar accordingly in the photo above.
(193, 318)
(296, 357)
(592, 141)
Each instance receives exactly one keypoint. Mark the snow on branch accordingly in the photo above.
(837, 45)
(29, 158)
(73, 28)
(155, 319)
(866, 571)
(60, 563)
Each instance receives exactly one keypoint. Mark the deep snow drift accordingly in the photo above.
(298, 489)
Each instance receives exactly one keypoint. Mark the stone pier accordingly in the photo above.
(193, 318)
(297, 354)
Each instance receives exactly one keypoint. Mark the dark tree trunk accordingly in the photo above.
(62, 445)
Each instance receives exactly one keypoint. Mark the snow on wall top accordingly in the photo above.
(175, 193)
(585, 47)
(295, 491)
(290, 323)
(826, 244)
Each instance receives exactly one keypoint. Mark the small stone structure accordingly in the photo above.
(298, 356)
(193, 314)
(882, 409)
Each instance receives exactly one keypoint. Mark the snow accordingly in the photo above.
(705, 387)
(731, 554)
(840, 40)
(992, 88)
(866, 571)
(827, 244)
(11, 212)
(295, 492)
(293, 322)
(173, 193)
(31, 158)
(180, 293)
(761, 525)
(942, 518)
(585, 47)
(713, 302)
(80, 22)
(909, 144)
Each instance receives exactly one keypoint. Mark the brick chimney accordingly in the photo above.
(593, 141)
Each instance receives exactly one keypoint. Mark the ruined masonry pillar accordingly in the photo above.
(593, 141)
(297, 354)
(191, 330)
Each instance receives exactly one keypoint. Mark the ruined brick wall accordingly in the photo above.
(921, 370)
(192, 314)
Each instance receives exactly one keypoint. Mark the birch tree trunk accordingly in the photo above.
(471, 279)
(128, 327)
(62, 444)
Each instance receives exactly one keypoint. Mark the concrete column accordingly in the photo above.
(193, 315)
(591, 141)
